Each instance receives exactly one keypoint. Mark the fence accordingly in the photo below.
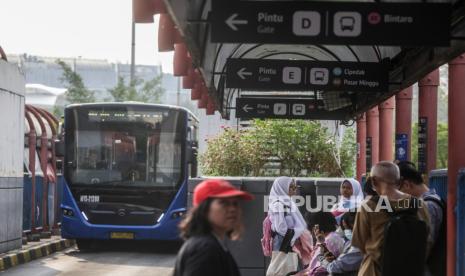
(42, 184)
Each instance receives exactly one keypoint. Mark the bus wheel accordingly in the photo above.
(84, 245)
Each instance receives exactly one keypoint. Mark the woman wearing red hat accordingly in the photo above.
(215, 216)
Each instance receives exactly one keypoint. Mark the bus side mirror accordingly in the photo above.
(192, 152)
(59, 148)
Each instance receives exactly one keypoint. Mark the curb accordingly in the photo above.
(33, 253)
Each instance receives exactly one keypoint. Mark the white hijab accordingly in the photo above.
(345, 204)
(279, 195)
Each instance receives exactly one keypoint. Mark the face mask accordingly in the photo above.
(348, 234)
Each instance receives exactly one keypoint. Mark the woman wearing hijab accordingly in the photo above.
(350, 198)
(285, 220)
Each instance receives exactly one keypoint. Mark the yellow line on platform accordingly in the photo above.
(14, 260)
(38, 252)
(27, 256)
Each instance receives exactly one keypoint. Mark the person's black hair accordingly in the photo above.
(325, 220)
(196, 221)
(349, 218)
(409, 172)
(368, 187)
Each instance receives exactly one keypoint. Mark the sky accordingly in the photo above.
(98, 29)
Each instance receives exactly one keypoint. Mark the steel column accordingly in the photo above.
(404, 122)
(427, 115)
(386, 118)
(32, 144)
(372, 146)
(456, 149)
(361, 146)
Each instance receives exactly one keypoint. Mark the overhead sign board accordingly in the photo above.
(336, 23)
(297, 75)
(284, 108)
(402, 141)
(422, 144)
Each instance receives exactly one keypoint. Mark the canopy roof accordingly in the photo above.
(407, 64)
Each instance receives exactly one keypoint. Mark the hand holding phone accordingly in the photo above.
(318, 234)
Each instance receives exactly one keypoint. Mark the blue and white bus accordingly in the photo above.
(126, 167)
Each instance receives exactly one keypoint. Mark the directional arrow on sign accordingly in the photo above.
(242, 73)
(232, 22)
(247, 108)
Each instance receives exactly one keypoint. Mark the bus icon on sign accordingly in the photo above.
(319, 76)
(347, 24)
(298, 109)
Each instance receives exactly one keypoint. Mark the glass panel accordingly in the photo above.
(129, 148)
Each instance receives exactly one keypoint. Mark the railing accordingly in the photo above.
(460, 215)
(438, 181)
(42, 185)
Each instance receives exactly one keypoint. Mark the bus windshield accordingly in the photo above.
(128, 147)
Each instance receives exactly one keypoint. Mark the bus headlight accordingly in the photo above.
(68, 212)
(178, 214)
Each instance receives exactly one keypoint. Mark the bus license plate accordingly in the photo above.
(122, 235)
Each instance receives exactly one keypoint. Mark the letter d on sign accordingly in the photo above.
(306, 23)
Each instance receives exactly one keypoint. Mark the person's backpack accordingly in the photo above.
(267, 239)
(436, 261)
(405, 239)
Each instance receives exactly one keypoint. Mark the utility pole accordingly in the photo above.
(133, 51)
(178, 92)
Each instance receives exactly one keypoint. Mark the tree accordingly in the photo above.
(277, 147)
(225, 155)
(58, 111)
(139, 90)
(76, 90)
(348, 152)
(152, 90)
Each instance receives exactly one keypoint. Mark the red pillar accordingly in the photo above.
(427, 119)
(372, 141)
(188, 80)
(404, 124)
(386, 131)
(361, 146)
(456, 149)
(143, 11)
(166, 33)
(181, 61)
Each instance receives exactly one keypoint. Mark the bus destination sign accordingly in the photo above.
(283, 108)
(298, 75)
(333, 23)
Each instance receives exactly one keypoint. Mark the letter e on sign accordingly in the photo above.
(292, 75)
